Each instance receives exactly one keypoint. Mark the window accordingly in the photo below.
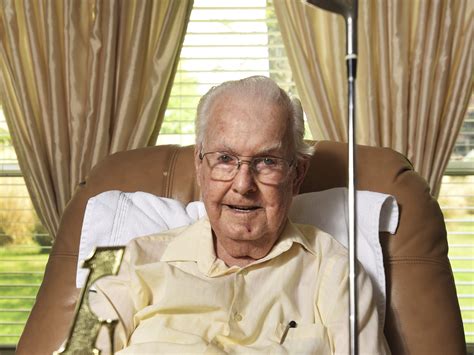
(24, 244)
(457, 203)
(225, 40)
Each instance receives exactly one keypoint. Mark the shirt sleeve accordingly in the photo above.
(113, 299)
(333, 306)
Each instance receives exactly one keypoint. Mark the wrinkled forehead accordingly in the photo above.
(249, 125)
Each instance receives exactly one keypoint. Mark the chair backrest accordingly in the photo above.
(423, 315)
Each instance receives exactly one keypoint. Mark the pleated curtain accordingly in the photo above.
(414, 79)
(80, 80)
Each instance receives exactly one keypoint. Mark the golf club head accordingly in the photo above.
(348, 10)
(345, 8)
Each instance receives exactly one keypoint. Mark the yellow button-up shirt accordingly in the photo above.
(173, 295)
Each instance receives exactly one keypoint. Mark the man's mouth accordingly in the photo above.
(241, 208)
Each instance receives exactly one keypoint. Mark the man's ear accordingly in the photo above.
(301, 169)
(197, 163)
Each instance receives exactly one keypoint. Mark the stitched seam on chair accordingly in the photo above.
(416, 260)
(170, 177)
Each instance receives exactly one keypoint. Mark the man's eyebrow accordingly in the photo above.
(270, 149)
(265, 150)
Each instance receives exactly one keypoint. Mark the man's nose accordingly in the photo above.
(244, 181)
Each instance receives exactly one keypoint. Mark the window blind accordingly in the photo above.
(24, 244)
(224, 41)
(457, 203)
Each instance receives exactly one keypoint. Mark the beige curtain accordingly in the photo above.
(83, 79)
(414, 79)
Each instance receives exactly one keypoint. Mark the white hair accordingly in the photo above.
(258, 88)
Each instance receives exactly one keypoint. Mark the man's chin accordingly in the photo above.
(242, 233)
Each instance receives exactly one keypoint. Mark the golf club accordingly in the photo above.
(348, 9)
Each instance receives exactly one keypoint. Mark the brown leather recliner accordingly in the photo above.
(423, 315)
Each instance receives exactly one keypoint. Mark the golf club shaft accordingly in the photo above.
(352, 209)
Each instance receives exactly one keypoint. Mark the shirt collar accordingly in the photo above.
(196, 244)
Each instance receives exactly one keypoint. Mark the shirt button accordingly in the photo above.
(238, 317)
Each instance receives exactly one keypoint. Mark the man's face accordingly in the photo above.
(246, 215)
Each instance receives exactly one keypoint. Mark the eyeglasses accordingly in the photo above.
(266, 169)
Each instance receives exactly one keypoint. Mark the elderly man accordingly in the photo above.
(245, 279)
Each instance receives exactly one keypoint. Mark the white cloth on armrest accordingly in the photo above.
(115, 217)
(376, 212)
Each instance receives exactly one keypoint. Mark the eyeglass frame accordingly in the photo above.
(240, 161)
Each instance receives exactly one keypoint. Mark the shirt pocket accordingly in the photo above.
(304, 339)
